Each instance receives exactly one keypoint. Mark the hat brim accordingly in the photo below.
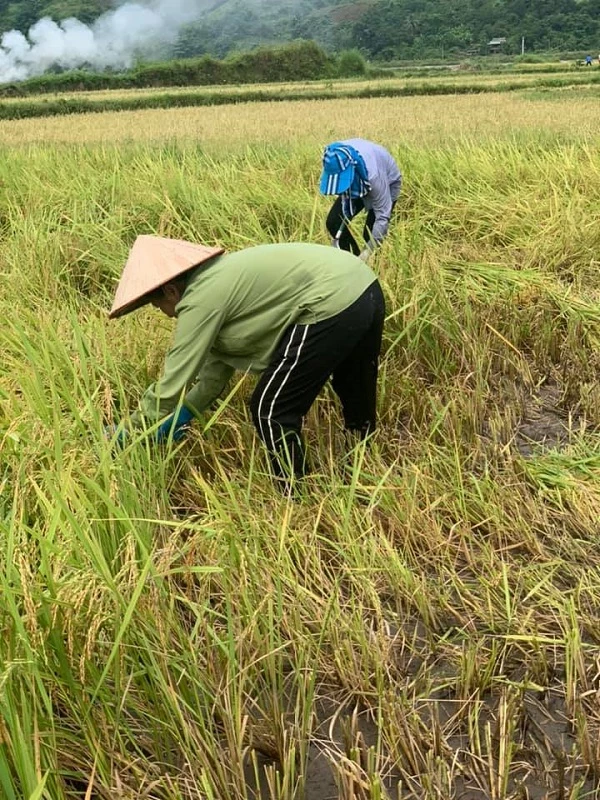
(142, 301)
(154, 261)
(337, 183)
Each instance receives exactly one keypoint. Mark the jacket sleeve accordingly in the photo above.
(381, 203)
(188, 363)
(210, 382)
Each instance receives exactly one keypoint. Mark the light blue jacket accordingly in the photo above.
(386, 182)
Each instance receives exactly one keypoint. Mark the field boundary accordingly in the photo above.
(166, 100)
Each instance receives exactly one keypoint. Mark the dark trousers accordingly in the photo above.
(337, 221)
(344, 348)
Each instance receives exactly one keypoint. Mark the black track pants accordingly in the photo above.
(336, 222)
(344, 348)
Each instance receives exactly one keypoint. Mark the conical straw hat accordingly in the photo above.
(153, 261)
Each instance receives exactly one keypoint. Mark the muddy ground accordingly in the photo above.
(545, 767)
(546, 763)
(544, 423)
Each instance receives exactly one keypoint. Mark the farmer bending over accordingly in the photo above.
(296, 313)
(363, 175)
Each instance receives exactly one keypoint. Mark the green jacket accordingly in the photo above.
(235, 310)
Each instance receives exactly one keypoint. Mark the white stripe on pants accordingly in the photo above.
(284, 380)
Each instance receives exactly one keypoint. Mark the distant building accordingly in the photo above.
(497, 45)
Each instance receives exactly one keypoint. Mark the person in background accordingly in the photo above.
(588, 61)
(298, 314)
(363, 175)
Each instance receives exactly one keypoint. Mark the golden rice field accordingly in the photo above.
(423, 621)
(429, 120)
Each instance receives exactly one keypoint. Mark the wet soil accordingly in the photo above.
(338, 730)
(544, 423)
(546, 763)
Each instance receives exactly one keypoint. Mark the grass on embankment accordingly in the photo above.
(165, 615)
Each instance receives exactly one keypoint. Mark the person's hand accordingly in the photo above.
(176, 425)
(365, 254)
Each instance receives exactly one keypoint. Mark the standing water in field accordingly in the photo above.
(113, 40)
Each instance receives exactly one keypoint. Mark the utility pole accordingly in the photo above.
(522, 45)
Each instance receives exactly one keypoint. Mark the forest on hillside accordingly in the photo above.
(381, 29)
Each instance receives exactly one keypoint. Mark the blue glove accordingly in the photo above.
(176, 425)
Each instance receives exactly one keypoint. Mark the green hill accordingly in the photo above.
(243, 24)
(380, 28)
(21, 14)
(399, 28)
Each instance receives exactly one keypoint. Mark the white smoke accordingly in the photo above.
(113, 40)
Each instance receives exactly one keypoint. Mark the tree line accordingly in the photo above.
(297, 61)
(417, 28)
